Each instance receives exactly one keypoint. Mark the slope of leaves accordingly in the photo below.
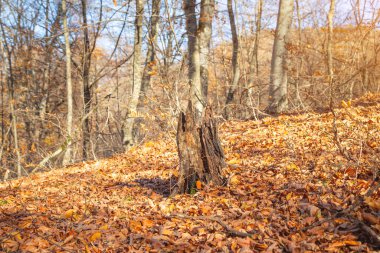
(289, 186)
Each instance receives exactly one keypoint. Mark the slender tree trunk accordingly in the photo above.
(254, 59)
(2, 95)
(46, 74)
(204, 38)
(151, 54)
(69, 88)
(2, 80)
(86, 84)
(278, 87)
(235, 57)
(330, 17)
(300, 64)
(128, 138)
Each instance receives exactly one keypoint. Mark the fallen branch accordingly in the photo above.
(56, 153)
(228, 229)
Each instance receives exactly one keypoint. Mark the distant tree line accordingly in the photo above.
(82, 80)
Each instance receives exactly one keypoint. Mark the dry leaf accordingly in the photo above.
(95, 236)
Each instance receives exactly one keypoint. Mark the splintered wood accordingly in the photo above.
(200, 153)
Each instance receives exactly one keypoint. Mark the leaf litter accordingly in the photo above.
(289, 189)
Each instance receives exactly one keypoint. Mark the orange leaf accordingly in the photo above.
(199, 185)
(234, 180)
(147, 223)
(352, 243)
(95, 236)
(69, 213)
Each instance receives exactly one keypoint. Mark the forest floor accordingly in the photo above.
(289, 186)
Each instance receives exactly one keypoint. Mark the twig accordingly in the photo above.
(343, 151)
(228, 229)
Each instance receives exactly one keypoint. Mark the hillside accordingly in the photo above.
(289, 187)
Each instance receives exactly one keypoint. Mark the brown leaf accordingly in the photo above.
(371, 218)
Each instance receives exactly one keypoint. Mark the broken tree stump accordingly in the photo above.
(201, 157)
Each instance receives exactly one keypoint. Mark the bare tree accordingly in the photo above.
(204, 38)
(193, 56)
(278, 87)
(330, 70)
(128, 138)
(11, 98)
(254, 59)
(151, 53)
(88, 50)
(235, 56)
(86, 65)
(69, 87)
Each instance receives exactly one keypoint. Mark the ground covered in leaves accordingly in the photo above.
(294, 184)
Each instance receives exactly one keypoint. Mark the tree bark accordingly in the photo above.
(128, 138)
(11, 98)
(330, 69)
(86, 84)
(300, 63)
(235, 57)
(69, 88)
(194, 72)
(254, 61)
(278, 87)
(151, 53)
(204, 38)
(200, 153)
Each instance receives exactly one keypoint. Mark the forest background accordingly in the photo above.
(126, 64)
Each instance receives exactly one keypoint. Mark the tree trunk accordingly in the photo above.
(128, 138)
(11, 98)
(330, 70)
(69, 87)
(200, 153)
(204, 37)
(254, 61)
(235, 57)
(151, 54)
(300, 63)
(193, 57)
(86, 84)
(278, 87)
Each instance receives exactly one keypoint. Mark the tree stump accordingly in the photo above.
(201, 156)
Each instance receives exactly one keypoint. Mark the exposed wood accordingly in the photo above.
(200, 153)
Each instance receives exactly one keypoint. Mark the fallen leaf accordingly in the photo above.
(198, 185)
(95, 236)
